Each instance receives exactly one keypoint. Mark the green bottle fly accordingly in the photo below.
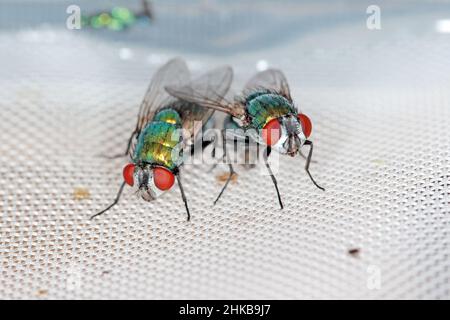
(167, 127)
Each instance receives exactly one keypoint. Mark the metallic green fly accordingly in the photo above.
(166, 128)
(265, 113)
(118, 18)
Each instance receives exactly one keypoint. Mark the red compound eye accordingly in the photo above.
(271, 132)
(163, 178)
(128, 173)
(306, 124)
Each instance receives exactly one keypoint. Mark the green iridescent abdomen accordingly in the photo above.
(159, 143)
(263, 107)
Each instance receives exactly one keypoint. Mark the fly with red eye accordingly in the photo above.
(163, 178)
(128, 174)
(166, 128)
(271, 132)
(306, 124)
(265, 106)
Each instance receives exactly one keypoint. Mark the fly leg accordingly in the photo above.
(308, 161)
(205, 143)
(304, 157)
(183, 196)
(124, 154)
(230, 166)
(274, 180)
(130, 141)
(112, 204)
(127, 150)
(248, 161)
(147, 9)
(233, 135)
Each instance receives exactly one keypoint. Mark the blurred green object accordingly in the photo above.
(102, 20)
(123, 15)
(117, 20)
(116, 25)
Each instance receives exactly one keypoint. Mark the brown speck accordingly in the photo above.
(42, 293)
(222, 178)
(354, 252)
(81, 194)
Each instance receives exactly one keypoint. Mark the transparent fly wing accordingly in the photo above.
(271, 79)
(208, 91)
(196, 99)
(193, 117)
(173, 73)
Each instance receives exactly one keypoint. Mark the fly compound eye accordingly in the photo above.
(271, 132)
(128, 172)
(163, 178)
(306, 124)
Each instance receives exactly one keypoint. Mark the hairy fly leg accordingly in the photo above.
(230, 166)
(183, 196)
(274, 180)
(308, 161)
(112, 204)
(127, 150)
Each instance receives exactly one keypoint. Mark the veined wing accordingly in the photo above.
(209, 91)
(271, 79)
(193, 117)
(174, 72)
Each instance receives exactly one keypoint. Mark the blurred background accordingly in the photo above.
(374, 77)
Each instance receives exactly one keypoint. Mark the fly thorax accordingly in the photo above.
(264, 107)
(169, 116)
(160, 142)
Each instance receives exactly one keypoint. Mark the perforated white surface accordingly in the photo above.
(380, 104)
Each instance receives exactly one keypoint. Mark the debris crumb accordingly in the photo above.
(354, 252)
(81, 194)
(41, 293)
(222, 178)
